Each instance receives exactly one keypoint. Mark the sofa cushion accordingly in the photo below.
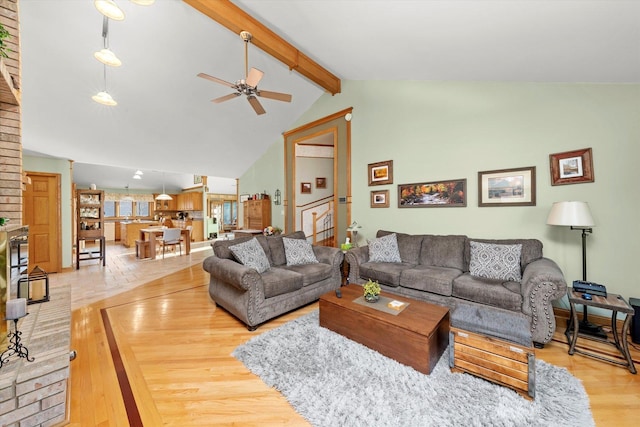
(437, 280)
(408, 245)
(387, 273)
(221, 247)
(443, 251)
(276, 247)
(278, 281)
(531, 249)
(298, 252)
(251, 254)
(493, 261)
(311, 273)
(487, 291)
(384, 249)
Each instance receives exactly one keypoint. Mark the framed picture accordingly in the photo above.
(437, 194)
(507, 187)
(381, 173)
(321, 182)
(197, 179)
(305, 187)
(380, 199)
(571, 167)
(244, 198)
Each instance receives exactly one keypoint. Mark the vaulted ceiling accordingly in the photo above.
(165, 122)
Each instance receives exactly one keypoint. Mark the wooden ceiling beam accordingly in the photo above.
(235, 19)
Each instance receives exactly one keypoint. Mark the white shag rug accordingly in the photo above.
(333, 381)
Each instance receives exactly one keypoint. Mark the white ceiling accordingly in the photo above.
(166, 122)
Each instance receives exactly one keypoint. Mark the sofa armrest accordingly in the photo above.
(542, 283)
(231, 272)
(328, 255)
(355, 257)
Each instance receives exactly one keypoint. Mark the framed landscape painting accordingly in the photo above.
(438, 194)
(507, 187)
(381, 173)
(571, 167)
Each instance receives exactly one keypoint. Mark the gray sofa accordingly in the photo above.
(256, 297)
(436, 269)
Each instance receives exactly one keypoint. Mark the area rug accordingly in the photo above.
(333, 381)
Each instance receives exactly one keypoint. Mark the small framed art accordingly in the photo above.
(381, 173)
(321, 182)
(571, 167)
(380, 199)
(305, 187)
(507, 187)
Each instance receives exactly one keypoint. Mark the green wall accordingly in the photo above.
(62, 167)
(442, 131)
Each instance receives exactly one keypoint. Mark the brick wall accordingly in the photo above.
(10, 118)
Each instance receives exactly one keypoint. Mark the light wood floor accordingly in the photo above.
(175, 348)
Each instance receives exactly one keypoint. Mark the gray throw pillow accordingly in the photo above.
(298, 252)
(384, 249)
(251, 254)
(491, 261)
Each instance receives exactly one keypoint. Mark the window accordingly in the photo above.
(126, 208)
(230, 213)
(109, 209)
(142, 209)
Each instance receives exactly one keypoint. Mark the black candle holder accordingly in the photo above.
(15, 346)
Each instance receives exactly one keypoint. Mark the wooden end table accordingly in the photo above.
(417, 336)
(613, 302)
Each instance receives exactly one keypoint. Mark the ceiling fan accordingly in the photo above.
(249, 85)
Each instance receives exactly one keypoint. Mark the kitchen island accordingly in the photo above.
(130, 231)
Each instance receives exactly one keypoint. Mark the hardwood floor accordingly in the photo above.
(174, 345)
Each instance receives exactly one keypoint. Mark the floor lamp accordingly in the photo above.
(577, 216)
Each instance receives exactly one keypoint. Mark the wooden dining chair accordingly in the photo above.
(170, 237)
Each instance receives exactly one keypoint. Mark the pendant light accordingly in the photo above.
(128, 197)
(110, 9)
(103, 97)
(144, 2)
(163, 196)
(106, 55)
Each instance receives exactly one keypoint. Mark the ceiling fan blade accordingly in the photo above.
(254, 77)
(217, 80)
(274, 95)
(256, 104)
(225, 98)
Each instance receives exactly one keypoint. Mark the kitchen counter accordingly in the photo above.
(130, 231)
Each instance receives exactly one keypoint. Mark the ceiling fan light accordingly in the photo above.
(136, 176)
(139, 172)
(104, 98)
(109, 9)
(144, 2)
(107, 57)
(163, 196)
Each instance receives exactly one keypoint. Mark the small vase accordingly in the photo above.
(371, 298)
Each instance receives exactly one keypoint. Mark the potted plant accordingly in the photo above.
(371, 291)
(4, 34)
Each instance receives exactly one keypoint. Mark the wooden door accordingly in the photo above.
(41, 212)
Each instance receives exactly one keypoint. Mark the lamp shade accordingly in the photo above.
(104, 98)
(354, 226)
(576, 214)
(164, 196)
(109, 9)
(107, 57)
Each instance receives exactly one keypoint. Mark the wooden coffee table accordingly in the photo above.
(416, 337)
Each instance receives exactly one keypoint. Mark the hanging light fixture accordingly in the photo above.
(110, 9)
(105, 55)
(163, 196)
(139, 172)
(103, 97)
(144, 2)
(128, 197)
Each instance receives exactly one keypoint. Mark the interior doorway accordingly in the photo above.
(41, 211)
(317, 195)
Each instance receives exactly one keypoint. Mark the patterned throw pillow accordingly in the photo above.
(491, 261)
(298, 252)
(384, 249)
(251, 254)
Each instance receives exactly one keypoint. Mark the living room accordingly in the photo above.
(451, 130)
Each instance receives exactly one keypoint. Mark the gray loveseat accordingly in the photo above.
(256, 297)
(436, 269)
